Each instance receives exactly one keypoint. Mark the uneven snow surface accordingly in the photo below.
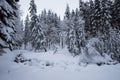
(49, 66)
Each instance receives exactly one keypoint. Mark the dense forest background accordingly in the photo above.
(97, 21)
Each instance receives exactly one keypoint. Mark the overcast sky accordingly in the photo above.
(57, 6)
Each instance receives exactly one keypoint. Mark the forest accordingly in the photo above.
(90, 32)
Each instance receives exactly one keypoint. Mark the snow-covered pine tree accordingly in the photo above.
(79, 31)
(56, 30)
(114, 32)
(116, 15)
(38, 43)
(77, 36)
(33, 20)
(114, 44)
(51, 28)
(72, 34)
(105, 17)
(67, 24)
(90, 15)
(8, 14)
(19, 30)
(86, 16)
(86, 11)
(43, 17)
(19, 34)
(96, 18)
(67, 12)
(81, 7)
(105, 23)
(36, 34)
(49, 25)
(26, 31)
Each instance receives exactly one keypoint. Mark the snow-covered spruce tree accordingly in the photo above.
(67, 23)
(116, 15)
(51, 28)
(8, 14)
(43, 17)
(19, 34)
(81, 7)
(101, 17)
(38, 43)
(56, 30)
(27, 31)
(114, 32)
(19, 30)
(89, 19)
(114, 44)
(86, 16)
(36, 34)
(96, 19)
(67, 12)
(105, 23)
(105, 17)
(86, 11)
(76, 34)
(72, 35)
(79, 31)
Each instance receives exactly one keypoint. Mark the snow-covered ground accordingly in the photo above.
(50, 66)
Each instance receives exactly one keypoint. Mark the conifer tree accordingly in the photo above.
(36, 34)
(8, 14)
(90, 10)
(96, 18)
(80, 32)
(67, 12)
(27, 31)
(67, 24)
(116, 14)
(19, 30)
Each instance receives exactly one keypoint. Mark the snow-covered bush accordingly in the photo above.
(21, 59)
(97, 44)
(93, 53)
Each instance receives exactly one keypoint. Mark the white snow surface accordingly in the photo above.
(50, 66)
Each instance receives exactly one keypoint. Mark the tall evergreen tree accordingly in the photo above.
(80, 32)
(67, 12)
(105, 17)
(7, 23)
(114, 44)
(96, 18)
(90, 15)
(72, 35)
(51, 28)
(67, 24)
(27, 31)
(19, 30)
(76, 34)
(116, 15)
(81, 7)
(36, 34)
(105, 23)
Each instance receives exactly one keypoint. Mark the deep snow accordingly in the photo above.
(49, 66)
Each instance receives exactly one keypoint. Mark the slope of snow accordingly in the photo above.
(50, 66)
